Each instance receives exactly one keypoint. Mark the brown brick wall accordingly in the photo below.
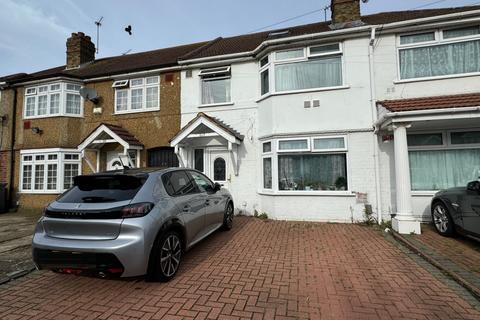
(4, 166)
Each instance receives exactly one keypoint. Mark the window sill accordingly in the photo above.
(216, 105)
(452, 76)
(135, 111)
(307, 193)
(268, 95)
(53, 116)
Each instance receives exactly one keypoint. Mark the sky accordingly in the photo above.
(33, 32)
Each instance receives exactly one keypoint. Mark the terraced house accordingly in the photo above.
(320, 122)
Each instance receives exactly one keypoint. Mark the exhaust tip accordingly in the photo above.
(102, 274)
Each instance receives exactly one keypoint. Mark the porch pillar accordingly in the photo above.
(404, 221)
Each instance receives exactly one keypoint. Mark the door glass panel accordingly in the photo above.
(219, 169)
(177, 183)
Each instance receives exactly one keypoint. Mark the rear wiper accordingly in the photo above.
(97, 199)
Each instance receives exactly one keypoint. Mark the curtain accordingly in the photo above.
(312, 172)
(314, 73)
(441, 169)
(267, 173)
(454, 58)
(215, 91)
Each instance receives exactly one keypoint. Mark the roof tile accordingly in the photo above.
(437, 102)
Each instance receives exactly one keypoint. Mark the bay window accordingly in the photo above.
(215, 85)
(48, 172)
(57, 99)
(306, 164)
(313, 67)
(443, 160)
(439, 53)
(137, 95)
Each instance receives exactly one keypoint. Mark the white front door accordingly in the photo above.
(113, 161)
(219, 166)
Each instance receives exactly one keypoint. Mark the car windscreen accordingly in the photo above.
(103, 188)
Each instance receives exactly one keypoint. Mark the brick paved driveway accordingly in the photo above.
(282, 270)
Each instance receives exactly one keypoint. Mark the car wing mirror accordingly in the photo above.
(474, 186)
(216, 187)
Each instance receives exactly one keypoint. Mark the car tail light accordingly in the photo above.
(137, 210)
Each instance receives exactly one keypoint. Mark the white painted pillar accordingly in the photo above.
(404, 221)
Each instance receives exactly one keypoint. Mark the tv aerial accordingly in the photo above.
(98, 23)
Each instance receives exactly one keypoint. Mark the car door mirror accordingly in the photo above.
(216, 187)
(474, 186)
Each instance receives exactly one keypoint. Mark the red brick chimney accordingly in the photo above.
(80, 50)
(345, 12)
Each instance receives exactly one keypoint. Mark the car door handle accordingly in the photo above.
(186, 209)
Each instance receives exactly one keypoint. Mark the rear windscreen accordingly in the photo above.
(94, 189)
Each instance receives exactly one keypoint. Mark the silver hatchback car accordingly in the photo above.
(130, 222)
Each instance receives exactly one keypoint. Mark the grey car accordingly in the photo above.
(458, 209)
(130, 222)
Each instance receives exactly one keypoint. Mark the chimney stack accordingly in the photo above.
(345, 13)
(80, 50)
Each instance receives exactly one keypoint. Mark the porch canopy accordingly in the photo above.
(110, 134)
(206, 131)
(453, 113)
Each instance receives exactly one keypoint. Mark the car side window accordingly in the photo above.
(178, 183)
(202, 182)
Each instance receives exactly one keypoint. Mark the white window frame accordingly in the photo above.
(126, 85)
(439, 40)
(307, 55)
(445, 138)
(212, 74)
(333, 150)
(59, 161)
(293, 150)
(63, 100)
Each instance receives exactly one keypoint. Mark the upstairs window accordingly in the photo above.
(439, 53)
(216, 85)
(57, 99)
(313, 67)
(137, 95)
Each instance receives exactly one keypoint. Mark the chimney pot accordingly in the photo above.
(80, 50)
(345, 12)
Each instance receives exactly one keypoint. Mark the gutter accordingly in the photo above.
(390, 115)
(11, 198)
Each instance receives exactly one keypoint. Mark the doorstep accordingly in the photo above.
(457, 257)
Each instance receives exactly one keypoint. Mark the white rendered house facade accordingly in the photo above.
(293, 127)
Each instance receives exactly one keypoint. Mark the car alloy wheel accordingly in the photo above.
(170, 255)
(228, 217)
(440, 218)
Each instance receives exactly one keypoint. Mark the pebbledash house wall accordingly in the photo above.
(346, 111)
(388, 87)
(152, 128)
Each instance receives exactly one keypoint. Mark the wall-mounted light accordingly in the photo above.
(37, 130)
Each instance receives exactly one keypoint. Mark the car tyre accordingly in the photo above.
(442, 220)
(166, 257)
(228, 217)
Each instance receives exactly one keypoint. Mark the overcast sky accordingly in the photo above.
(33, 32)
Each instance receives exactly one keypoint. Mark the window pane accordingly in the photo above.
(461, 32)
(73, 103)
(312, 172)
(265, 85)
(39, 176)
(151, 80)
(199, 160)
(201, 181)
(325, 49)
(54, 103)
(43, 89)
(263, 61)
(71, 156)
(152, 97)
(219, 169)
(52, 157)
(177, 183)
(267, 147)
(415, 38)
(441, 169)
(137, 98)
(267, 173)
(55, 87)
(122, 100)
(328, 143)
(30, 107)
(27, 158)
(293, 145)
(69, 172)
(136, 82)
(314, 73)
(52, 177)
(454, 58)
(465, 137)
(216, 91)
(290, 54)
(27, 177)
(42, 105)
(425, 139)
(73, 87)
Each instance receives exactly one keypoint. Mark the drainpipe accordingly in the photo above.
(11, 198)
(373, 102)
